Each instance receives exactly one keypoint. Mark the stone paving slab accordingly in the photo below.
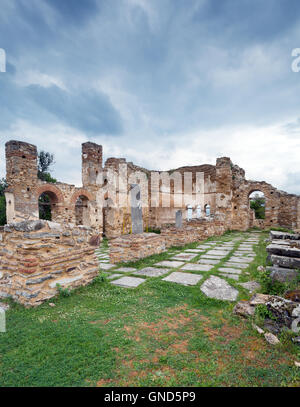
(172, 264)
(183, 278)
(184, 256)
(216, 287)
(194, 251)
(222, 249)
(125, 270)
(230, 270)
(212, 256)
(151, 272)
(238, 265)
(107, 266)
(128, 282)
(115, 275)
(218, 252)
(233, 276)
(208, 261)
(252, 286)
(235, 259)
(197, 267)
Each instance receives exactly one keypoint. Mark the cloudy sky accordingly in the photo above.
(164, 83)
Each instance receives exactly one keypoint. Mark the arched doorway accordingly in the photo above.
(47, 205)
(257, 203)
(82, 211)
(199, 211)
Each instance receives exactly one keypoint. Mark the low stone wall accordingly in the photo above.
(134, 247)
(192, 231)
(284, 254)
(37, 255)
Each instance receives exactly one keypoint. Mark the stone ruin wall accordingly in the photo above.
(37, 255)
(226, 190)
(134, 247)
(47, 254)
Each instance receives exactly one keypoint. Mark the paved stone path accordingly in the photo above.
(215, 266)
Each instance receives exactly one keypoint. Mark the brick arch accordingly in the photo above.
(81, 192)
(50, 188)
(267, 189)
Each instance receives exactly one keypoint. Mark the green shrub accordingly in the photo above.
(64, 292)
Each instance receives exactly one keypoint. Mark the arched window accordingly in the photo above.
(47, 205)
(82, 213)
(207, 209)
(257, 202)
(199, 212)
(189, 212)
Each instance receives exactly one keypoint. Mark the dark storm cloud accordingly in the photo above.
(152, 70)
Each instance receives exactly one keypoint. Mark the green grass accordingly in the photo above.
(159, 334)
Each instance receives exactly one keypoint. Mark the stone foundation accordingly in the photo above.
(134, 247)
(37, 255)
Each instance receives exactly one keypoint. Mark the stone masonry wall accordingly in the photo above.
(37, 255)
(136, 246)
(133, 247)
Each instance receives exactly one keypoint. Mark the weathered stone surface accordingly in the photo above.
(114, 275)
(152, 272)
(128, 282)
(272, 339)
(287, 262)
(282, 274)
(218, 252)
(244, 308)
(283, 235)
(65, 281)
(208, 261)
(184, 256)
(178, 221)
(228, 275)
(136, 209)
(197, 267)
(2, 320)
(229, 270)
(216, 287)
(252, 286)
(172, 264)
(258, 329)
(106, 266)
(257, 299)
(136, 246)
(281, 250)
(236, 265)
(183, 278)
(125, 270)
(235, 259)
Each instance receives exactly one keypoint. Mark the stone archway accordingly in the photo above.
(81, 203)
(50, 201)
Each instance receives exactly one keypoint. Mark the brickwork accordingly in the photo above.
(37, 255)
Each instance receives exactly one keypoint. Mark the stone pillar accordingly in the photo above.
(21, 177)
(224, 190)
(91, 163)
(92, 171)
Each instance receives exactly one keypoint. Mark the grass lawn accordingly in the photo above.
(159, 334)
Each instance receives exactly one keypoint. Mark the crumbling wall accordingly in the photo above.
(37, 255)
(136, 246)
